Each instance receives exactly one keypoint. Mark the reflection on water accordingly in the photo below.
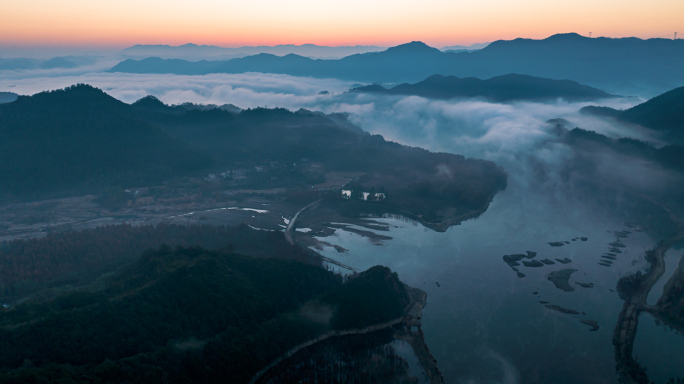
(405, 351)
(659, 349)
(483, 323)
(672, 258)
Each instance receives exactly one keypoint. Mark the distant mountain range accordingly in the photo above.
(497, 89)
(664, 113)
(53, 63)
(459, 48)
(620, 66)
(196, 52)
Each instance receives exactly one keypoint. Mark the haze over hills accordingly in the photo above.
(357, 192)
(663, 113)
(621, 66)
(59, 62)
(458, 48)
(196, 52)
(497, 89)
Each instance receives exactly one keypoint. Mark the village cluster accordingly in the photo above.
(349, 194)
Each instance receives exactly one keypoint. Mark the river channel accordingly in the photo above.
(484, 324)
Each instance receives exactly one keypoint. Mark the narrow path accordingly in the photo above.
(416, 304)
(291, 224)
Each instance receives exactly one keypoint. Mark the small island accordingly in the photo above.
(561, 279)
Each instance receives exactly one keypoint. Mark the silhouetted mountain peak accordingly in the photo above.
(369, 89)
(439, 79)
(566, 37)
(57, 62)
(79, 96)
(150, 102)
(80, 93)
(413, 47)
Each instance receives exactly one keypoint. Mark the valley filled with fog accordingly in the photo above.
(484, 322)
(357, 192)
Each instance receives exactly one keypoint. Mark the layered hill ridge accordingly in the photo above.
(622, 66)
(498, 89)
(195, 51)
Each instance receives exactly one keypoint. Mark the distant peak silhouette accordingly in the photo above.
(414, 46)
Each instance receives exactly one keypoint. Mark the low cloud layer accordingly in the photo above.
(246, 90)
(513, 135)
(516, 136)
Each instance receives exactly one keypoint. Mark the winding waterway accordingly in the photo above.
(483, 323)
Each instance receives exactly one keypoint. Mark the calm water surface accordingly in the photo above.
(483, 324)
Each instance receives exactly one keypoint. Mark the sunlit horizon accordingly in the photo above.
(438, 23)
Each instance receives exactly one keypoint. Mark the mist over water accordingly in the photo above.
(483, 323)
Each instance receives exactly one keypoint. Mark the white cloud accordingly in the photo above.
(245, 90)
(512, 134)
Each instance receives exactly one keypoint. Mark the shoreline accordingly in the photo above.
(412, 313)
(628, 369)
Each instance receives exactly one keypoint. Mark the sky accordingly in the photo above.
(121, 23)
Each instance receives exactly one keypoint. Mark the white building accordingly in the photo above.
(346, 194)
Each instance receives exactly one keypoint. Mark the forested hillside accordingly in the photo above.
(79, 140)
(188, 315)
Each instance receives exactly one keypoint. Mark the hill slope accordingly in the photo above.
(190, 315)
(81, 138)
(664, 113)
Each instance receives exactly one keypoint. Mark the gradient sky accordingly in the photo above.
(326, 22)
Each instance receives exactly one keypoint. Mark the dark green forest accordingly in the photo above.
(76, 257)
(187, 315)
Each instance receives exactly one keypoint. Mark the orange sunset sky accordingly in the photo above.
(333, 22)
